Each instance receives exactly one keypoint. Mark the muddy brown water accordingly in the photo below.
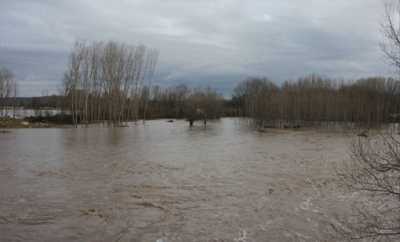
(164, 182)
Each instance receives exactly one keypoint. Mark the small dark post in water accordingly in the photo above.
(191, 122)
(205, 122)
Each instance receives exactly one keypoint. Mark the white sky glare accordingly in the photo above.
(208, 42)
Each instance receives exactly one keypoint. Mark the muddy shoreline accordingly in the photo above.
(13, 123)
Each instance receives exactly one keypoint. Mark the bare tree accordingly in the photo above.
(103, 81)
(8, 89)
(391, 30)
(151, 64)
(374, 170)
(203, 104)
(375, 165)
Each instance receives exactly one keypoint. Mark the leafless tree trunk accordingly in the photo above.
(150, 67)
(8, 88)
(103, 81)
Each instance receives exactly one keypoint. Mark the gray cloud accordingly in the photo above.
(201, 42)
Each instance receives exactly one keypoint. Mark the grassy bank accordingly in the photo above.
(32, 122)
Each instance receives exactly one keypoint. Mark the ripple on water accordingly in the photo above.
(166, 182)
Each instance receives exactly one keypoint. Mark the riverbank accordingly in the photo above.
(11, 123)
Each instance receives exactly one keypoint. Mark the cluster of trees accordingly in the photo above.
(113, 82)
(183, 102)
(104, 81)
(316, 100)
(8, 89)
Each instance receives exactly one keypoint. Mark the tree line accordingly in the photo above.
(112, 82)
(183, 102)
(176, 102)
(315, 100)
(103, 81)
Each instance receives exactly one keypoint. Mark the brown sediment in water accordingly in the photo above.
(161, 181)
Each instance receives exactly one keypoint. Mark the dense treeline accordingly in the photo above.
(104, 81)
(183, 102)
(316, 100)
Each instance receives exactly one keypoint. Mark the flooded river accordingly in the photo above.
(166, 182)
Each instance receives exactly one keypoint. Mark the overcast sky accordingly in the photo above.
(201, 42)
